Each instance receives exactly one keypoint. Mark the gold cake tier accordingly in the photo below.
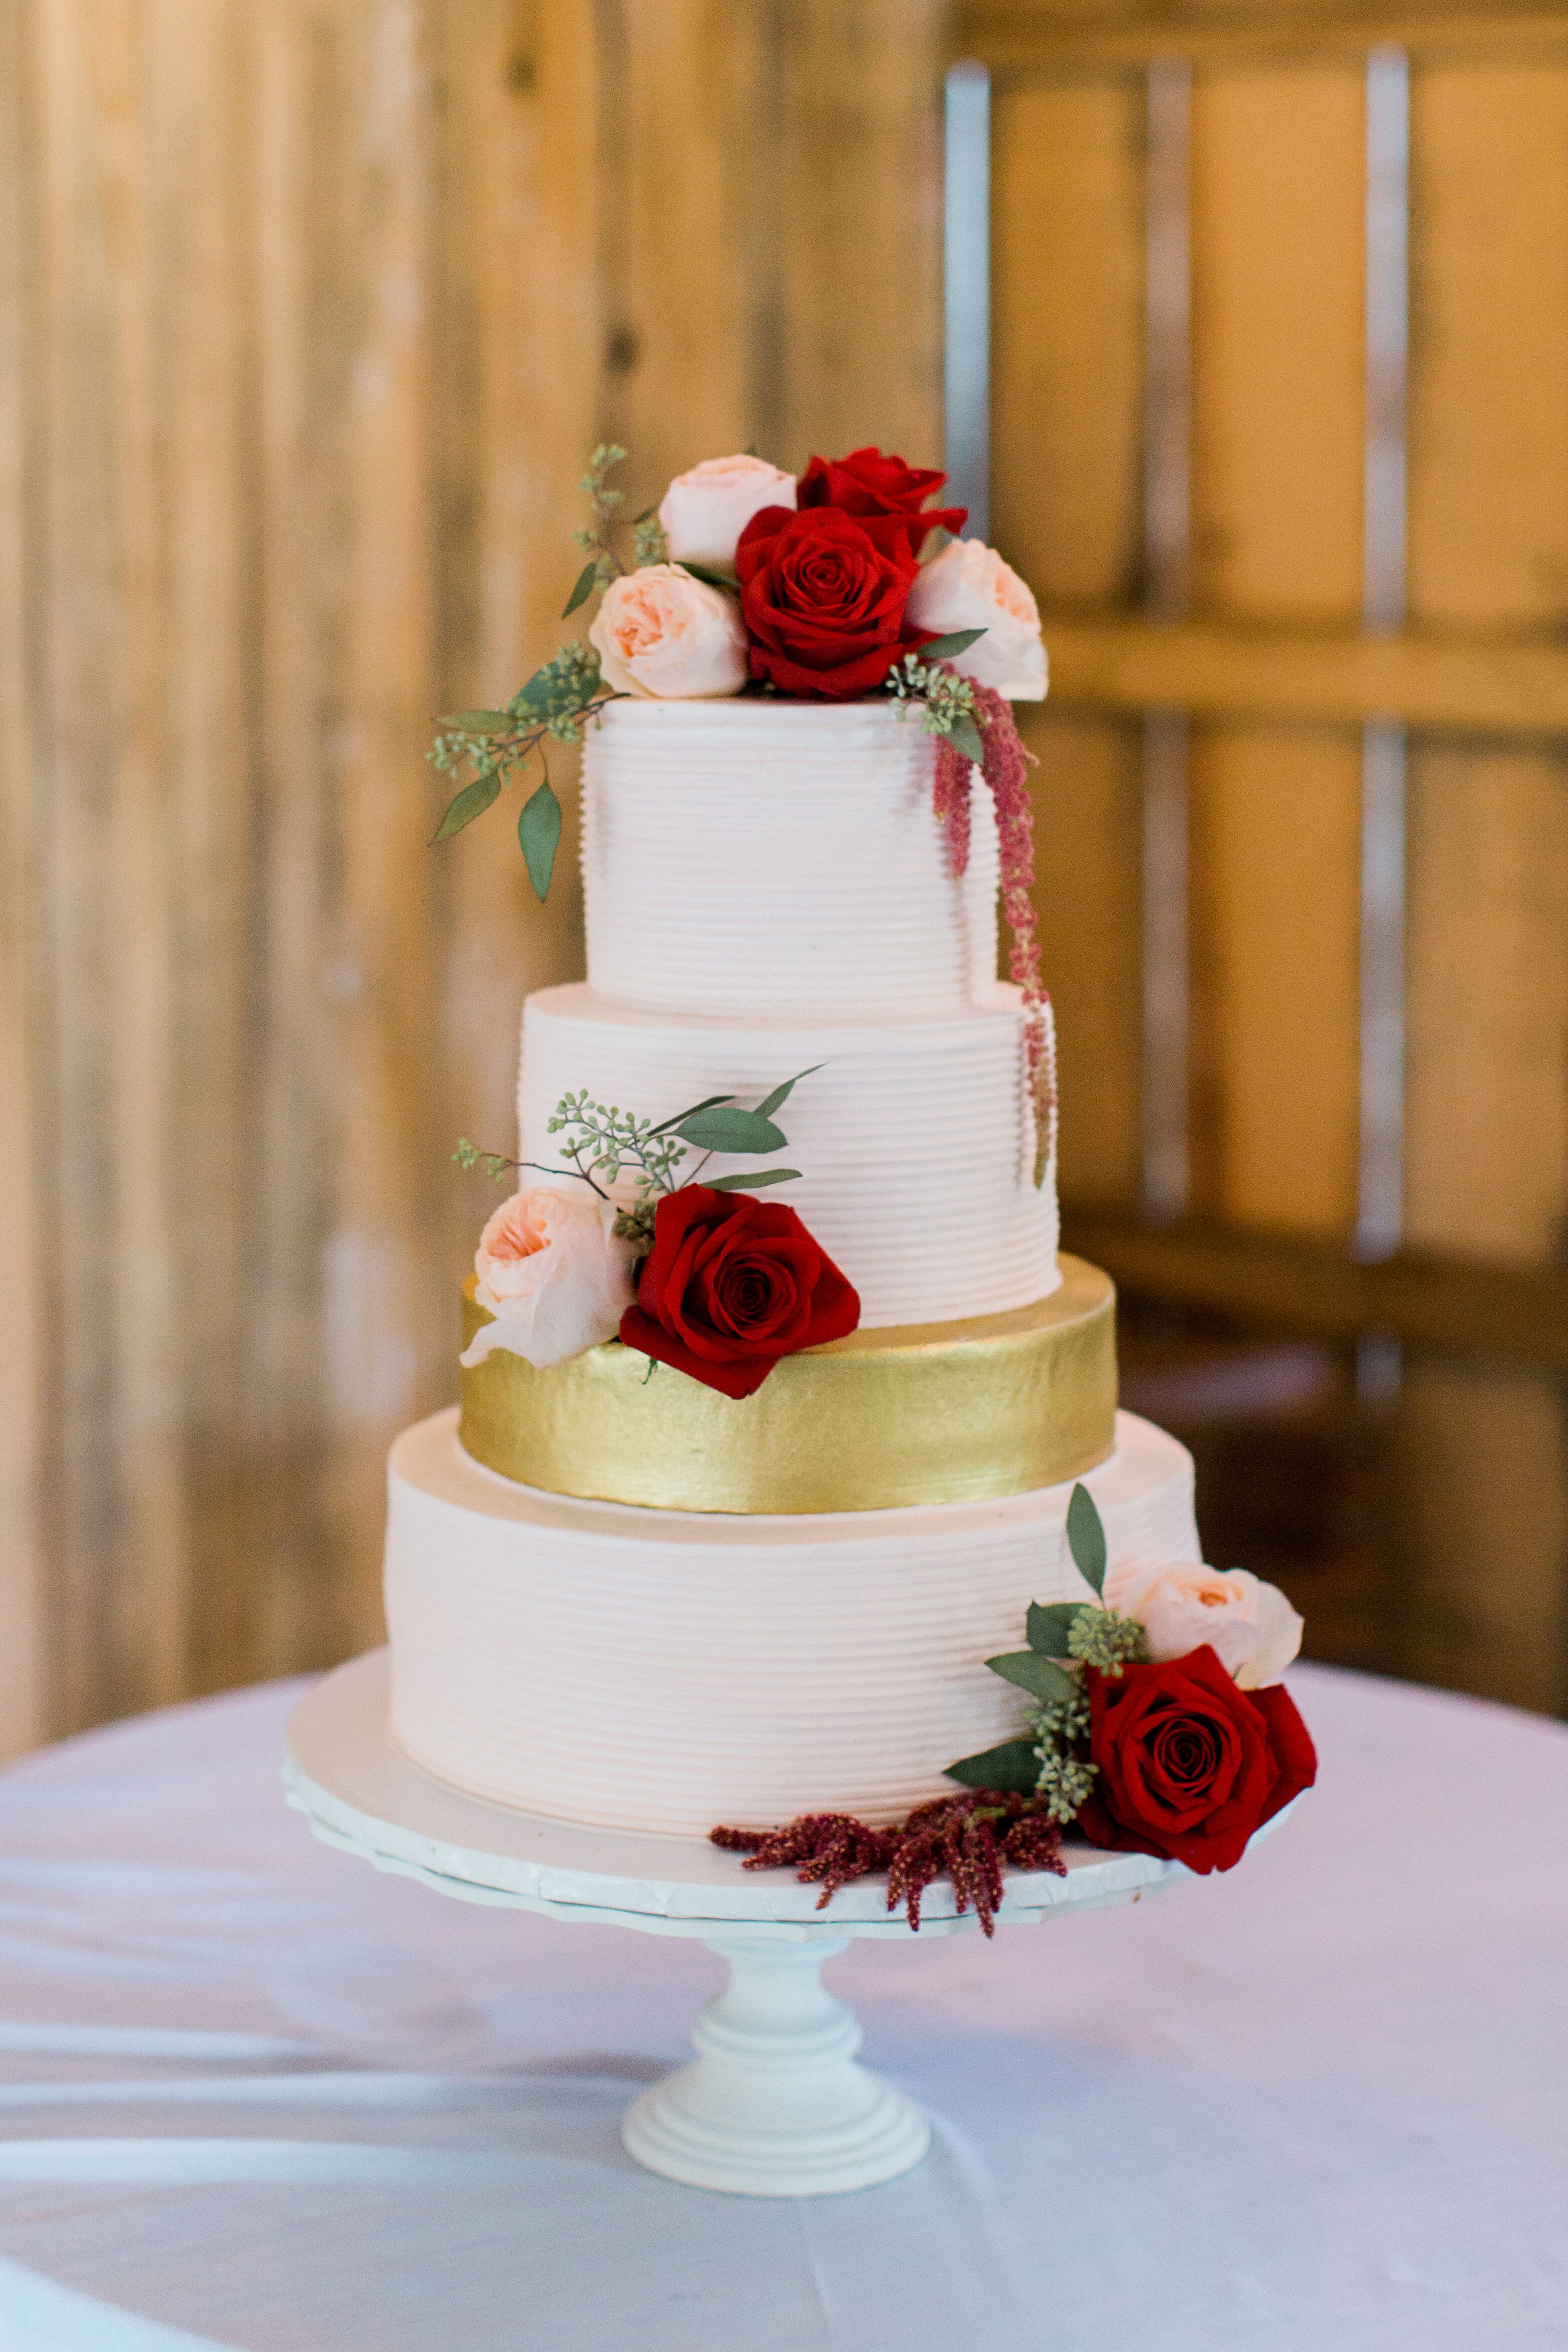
(933, 1413)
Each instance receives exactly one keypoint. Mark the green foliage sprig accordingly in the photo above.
(558, 701)
(1050, 1762)
(606, 1144)
(948, 706)
(555, 705)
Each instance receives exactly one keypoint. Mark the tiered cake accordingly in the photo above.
(619, 1598)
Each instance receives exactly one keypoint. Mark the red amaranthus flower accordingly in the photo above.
(971, 1837)
(1005, 767)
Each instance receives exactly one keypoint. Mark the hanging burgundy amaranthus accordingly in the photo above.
(971, 1837)
(1005, 767)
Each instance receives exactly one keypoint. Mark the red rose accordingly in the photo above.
(1189, 1765)
(868, 485)
(823, 604)
(731, 1285)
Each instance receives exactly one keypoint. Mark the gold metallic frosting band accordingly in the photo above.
(934, 1413)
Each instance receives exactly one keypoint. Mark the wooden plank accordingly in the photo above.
(1303, 1282)
(1023, 37)
(1276, 308)
(1066, 416)
(677, 199)
(23, 1121)
(1488, 1105)
(1486, 1117)
(1275, 839)
(1468, 683)
(185, 928)
(518, 221)
(1489, 436)
(858, 205)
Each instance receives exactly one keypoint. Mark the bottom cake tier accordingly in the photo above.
(666, 1671)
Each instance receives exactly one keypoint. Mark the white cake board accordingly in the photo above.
(775, 2104)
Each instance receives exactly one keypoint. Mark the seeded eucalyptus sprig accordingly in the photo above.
(557, 701)
(950, 706)
(555, 705)
(1050, 1761)
(605, 1143)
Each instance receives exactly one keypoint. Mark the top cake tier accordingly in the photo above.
(776, 857)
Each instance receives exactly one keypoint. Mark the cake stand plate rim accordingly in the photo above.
(360, 1793)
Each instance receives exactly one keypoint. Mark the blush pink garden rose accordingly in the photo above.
(662, 634)
(704, 511)
(553, 1274)
(1249, 1625)
(968, 586)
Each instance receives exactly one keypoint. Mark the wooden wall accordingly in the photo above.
(311, 313)
(1270, 665)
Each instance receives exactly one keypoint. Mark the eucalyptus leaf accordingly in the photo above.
(1046, 1630)
(709, 577)
(1033, 1674)
(944, 649)
(753, 1183)
(731, 1130)
(1086, 1537)
(965, 738)
(1012, 1766)
(766, 1109)
(586, 580)
(466, 806)
(539, 833)
(536, 691)
(480, 722)
(707, 1103)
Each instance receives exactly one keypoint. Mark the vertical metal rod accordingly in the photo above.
(1380, 1218)
(1167, 531)
(967, 290)
(1167, 300)
(1165, 987)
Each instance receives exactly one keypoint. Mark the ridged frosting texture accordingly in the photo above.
(913, 1138)
(661, 1671)
(767, 858)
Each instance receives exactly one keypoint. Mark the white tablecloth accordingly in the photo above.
(256, 2097)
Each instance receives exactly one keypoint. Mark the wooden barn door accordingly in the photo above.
(1279, 431)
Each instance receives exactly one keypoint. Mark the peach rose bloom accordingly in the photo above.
(660, 633)
(1249, 1625)
(553, 1274)
(968, 586)
(705, 511)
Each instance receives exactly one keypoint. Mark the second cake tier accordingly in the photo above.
(941, 1413)
(915, 1139)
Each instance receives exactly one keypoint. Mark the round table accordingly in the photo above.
(259, 2097)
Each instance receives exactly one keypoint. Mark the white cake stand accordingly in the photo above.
(775, 2104)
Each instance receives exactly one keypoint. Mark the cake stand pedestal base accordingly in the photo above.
(775, 2104)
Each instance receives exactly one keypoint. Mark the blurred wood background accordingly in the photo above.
(311, 313)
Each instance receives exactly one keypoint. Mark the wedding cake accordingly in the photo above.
(741, 1498)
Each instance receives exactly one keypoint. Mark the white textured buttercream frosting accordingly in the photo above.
(766, 857)
(914, 1139)
(667, 1671)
